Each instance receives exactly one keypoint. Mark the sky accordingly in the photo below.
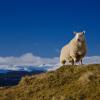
(43, 27)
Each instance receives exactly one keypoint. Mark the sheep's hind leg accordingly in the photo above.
(63, 62)
(81, 62)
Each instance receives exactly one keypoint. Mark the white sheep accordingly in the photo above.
(75, 50)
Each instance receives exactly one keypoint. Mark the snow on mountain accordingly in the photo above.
(42, 67)
(49, 67)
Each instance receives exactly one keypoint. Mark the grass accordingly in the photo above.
(67, 83)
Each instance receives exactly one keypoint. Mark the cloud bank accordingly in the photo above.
(92, 60)
(30, 59)
(25, 61)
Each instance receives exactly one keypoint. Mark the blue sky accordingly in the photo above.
(43, 27)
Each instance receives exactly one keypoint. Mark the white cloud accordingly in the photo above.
(92, 60)
(25, 61)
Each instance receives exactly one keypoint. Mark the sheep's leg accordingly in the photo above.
(81, 62)
(74, 61)
(71, 61)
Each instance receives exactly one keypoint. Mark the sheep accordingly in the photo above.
(75, 50)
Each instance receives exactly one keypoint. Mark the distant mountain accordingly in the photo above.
(3, 71)
(11, 78)
(11, 75)
(42, 67)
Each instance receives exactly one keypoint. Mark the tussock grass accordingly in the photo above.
(67, 83)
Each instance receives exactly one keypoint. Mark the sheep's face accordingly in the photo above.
(80, 36)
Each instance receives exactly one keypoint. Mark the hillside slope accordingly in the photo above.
(67, 83)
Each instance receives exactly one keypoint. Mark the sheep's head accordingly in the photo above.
(80, 36)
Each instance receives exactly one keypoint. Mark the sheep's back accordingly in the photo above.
(65, 53)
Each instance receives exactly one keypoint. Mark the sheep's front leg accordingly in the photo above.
(81, 62)
(72, 62)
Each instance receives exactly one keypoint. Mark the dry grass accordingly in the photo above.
(66, 83)
(86, 77)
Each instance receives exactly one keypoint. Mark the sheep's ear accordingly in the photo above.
(84, 32)
(74, 33)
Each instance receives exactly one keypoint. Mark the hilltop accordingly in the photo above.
(67, 83)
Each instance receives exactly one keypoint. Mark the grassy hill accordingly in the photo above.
(67, 83)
